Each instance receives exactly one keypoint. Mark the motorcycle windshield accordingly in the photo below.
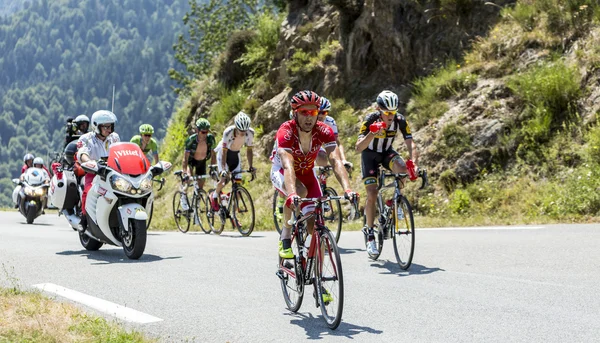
(128, 158)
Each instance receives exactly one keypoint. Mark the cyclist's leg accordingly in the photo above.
(285, 242)
(394, 162)
(313, 190)
(200, 170)
(222, 182)
(234, 163)
(370, 161)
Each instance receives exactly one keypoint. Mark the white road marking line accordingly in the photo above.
(101, 305)
(482, 228)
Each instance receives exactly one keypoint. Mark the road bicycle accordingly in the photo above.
(196, 210)
(395, 218)
(237, 206)
(332, 210)
(316, 261)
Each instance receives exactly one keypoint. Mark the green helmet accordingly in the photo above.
(203, 124)
(146, 129)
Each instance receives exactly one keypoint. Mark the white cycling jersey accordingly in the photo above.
(94, 147)
(228, 138)
(331, 123)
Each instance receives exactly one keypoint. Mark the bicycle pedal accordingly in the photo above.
(280, 275)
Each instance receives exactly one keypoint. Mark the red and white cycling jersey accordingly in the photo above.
(287, 139)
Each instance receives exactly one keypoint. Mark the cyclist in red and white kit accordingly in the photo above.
(298, 143)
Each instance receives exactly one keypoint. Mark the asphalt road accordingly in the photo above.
(509, 284)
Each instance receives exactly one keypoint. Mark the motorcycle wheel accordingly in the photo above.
(89, 243)
(31, 211)
(135, 243)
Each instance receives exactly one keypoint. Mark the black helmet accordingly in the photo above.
(70, 151)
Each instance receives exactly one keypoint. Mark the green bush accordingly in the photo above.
(460, 202)
(176, 135)
(448, 180)
(593, 145)
(261, 49)
(229, 103)
(454, 141)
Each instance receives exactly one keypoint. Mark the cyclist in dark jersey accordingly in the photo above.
(198, 149)
(377, 134)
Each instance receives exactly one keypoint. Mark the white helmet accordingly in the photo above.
(387, 101)
(82, 118)
(242, 121)
(38, 160)
(103, 117)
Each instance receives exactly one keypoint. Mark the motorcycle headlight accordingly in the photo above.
(146, 185)
(120, 184)
(29, 191)
(40, 191)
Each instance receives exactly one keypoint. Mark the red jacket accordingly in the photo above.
(25, 167)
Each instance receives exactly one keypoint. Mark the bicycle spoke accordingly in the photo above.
(330, 280)
(404, 233)
(243, 211)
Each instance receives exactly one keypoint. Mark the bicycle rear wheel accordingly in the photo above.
(242, 212)
(330, 279)
(292, 278)
(377, 230)
(404, 232)
(182, 218)
(278, 211)
(201, 212)
(332, 213)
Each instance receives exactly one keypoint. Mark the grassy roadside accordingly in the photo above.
(29, 316)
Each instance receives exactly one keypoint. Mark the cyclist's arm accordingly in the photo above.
(224, 159)
(342, 152)
(364, 141)
(213, 157)
(184, 165)
(289, 175)
(338, 166)
(156, 160)
(249, 155)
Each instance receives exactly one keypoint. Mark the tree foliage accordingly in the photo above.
(61, 58)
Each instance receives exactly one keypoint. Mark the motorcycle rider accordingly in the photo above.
(76, 128)
(94, 145)
(28, 160)
(37, 162)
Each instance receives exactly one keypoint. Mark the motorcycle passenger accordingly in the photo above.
(146, 142)
(76, 128)
(375, 142)
(38, 162)
(198, 149)
(94, 146)
(228, 152)
(292, 174)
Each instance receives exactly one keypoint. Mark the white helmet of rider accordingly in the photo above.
(82, 118)
(103, 117)
(387, 101)
(291, 114)
(38, 160)
(242, 121)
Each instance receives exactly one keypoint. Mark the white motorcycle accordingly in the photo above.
(120, 199)
(31, 198)
(65, 193)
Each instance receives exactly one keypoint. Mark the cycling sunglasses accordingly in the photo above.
(203, 131)
(147, 135)
(307, 112)
(389, 113)
(324, 113)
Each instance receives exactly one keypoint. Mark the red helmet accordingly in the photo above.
(305, 98)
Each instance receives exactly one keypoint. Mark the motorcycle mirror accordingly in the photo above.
(16, 181)
(165, 165)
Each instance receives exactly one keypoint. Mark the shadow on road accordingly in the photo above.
(344, 251)
(316, 328)
(37, 224)
(113, 256)
(393, 268)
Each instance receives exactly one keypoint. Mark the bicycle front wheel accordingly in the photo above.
(182, 217)
(330, 279)
(292, 279)
(332, 213)
(216, 218)
(278, 201)
(404, 232)
(243, 211)
(201, 216)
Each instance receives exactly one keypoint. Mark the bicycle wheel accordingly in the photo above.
(330, 280)
(278, 211)
(377, 230)
(404, 232)
(332, 213)
(201, 212)
(242, 211)
(216, 218)
(182, 218)
(292, 279)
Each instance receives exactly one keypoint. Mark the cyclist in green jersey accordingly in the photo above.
(198, 149)
(146, 142)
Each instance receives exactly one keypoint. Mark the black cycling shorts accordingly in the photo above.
(371, 160)
(200, 167)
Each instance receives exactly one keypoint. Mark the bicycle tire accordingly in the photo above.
(278, 222)
(404, 237)
(217, 221)
(201, 211)
(239, 206)
(182, 218)
(336, 213)
(293, 282)
(328, 251)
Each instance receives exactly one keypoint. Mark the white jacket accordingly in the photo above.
(95, 148)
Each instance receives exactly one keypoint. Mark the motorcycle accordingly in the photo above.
(65, 192)
(120, 199)
(32, 196)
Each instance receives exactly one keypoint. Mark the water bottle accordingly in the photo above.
(306, 246)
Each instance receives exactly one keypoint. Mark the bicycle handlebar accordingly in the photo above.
(251, 172)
